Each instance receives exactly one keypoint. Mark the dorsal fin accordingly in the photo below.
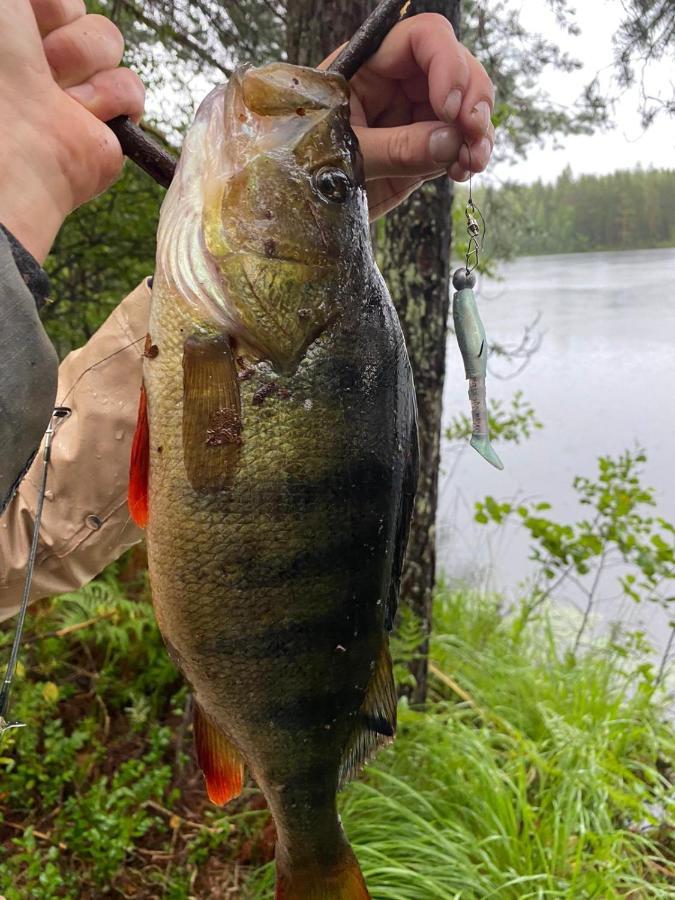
(221, 763)
(139, 465)
(376, 722)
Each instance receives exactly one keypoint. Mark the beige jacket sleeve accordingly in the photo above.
(85, 520)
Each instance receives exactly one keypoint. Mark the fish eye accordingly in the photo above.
(332, 184)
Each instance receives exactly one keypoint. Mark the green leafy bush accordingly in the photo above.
(538, 770)
(530, 776)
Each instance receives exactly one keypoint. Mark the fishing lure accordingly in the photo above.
(471, 338)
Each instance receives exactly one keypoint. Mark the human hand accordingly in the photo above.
(415, 105)
(59, 83)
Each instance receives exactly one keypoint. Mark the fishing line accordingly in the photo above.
(59, 414)
(474, 247)
(469, 329)
(98, 363)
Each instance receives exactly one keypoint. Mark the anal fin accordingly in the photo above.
(211, 412)
(139, 465)
(221, 763)
(376, 723)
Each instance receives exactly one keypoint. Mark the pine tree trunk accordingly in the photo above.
(415, 264)
(314, 28)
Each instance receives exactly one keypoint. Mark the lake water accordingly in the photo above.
(602, 381)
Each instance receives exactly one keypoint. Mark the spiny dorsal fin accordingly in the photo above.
(376, 722)
(220, 762)
(211, 412)
(139, 465)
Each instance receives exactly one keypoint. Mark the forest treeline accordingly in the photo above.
(627, 210)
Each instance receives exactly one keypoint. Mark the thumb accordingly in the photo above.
(419, 149)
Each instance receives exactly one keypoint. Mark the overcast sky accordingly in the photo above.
(624, 146)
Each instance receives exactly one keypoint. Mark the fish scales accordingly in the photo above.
(274, 572)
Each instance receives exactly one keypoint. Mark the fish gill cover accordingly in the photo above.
(258, 114)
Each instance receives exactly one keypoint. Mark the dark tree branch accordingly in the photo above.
(368, 38)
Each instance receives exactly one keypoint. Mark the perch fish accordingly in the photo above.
(275, 459)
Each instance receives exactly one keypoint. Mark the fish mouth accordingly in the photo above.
(270, 257)
(275, 104)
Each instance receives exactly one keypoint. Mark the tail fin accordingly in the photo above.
(342, 881)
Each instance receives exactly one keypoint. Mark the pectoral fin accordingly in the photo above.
(220, 762)
(211, 412)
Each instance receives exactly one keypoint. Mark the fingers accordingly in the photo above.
(473, 157)
(478, 102)
(115, 92)
(416, 150)
(424, 42)
(385, 194)
(423, 56)
(87, 45)
(458, 86)
(53, 14)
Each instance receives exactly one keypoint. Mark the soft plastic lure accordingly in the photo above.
(473, 347)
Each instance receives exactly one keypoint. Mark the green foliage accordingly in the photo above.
(645, 36)
(79, 777)
(617, 529)
(528, 777)
(530, 774)
(512, 423)
(515, 57)
(103, 251)
(627, 210)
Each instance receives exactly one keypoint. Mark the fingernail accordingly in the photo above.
(482, 151)
(481, 114)
(453, 104)
(443, 145)
(83, 93)
(458, 172)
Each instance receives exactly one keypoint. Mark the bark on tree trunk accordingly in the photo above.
(316, 27)
(415, 264)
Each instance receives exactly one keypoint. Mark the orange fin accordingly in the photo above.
(376, 723)
(139, 465)
(211, 412)
(343, 881)
(220, 762)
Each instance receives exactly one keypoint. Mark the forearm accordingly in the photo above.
(85, 522)
(28, 365)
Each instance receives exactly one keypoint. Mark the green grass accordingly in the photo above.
(545, 778)
(530, 775)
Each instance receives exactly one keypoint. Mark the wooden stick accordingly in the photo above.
(161, 165)
(142, 150)
(368, 38)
